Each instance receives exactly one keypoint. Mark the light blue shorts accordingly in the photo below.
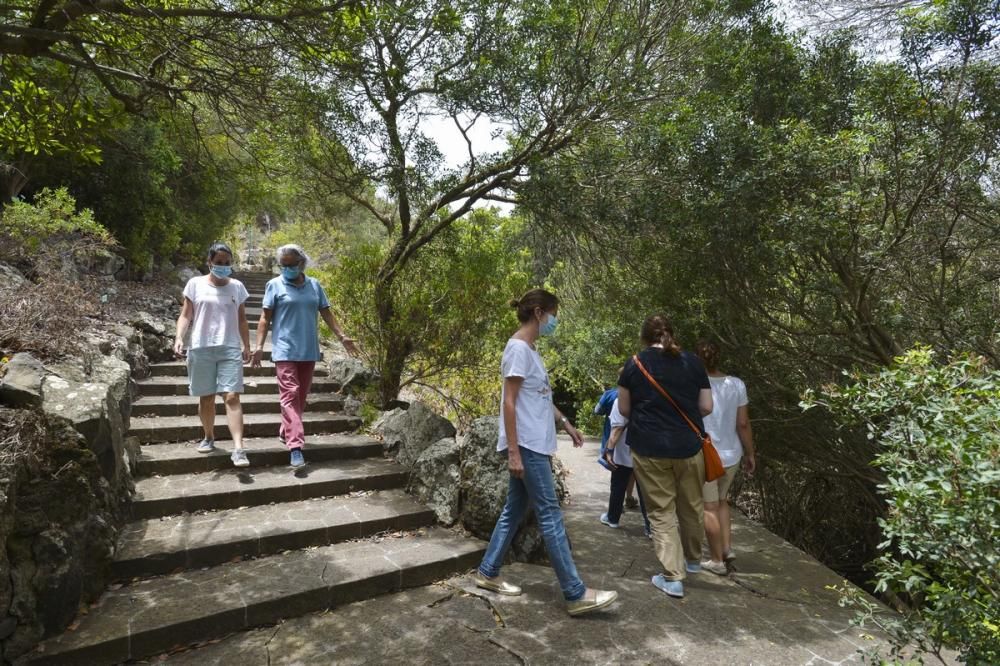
(215, 370)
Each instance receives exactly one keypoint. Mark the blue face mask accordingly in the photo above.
(290, 273)
(549, 326)
(222, 271)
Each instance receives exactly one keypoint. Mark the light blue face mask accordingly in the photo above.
(549, 327)
(222, 271)
(290, 273)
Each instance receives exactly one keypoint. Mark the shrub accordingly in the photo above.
(50, 229)
(937, 426)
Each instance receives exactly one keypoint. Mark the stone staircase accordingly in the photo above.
(213, 550)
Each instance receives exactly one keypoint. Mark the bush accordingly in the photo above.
(50, 228)
(939, 445)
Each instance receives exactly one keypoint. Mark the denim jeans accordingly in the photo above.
(539, 489)
(616, 500)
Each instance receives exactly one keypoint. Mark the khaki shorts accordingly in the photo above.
(713, 491)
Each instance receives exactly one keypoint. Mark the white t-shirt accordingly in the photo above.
(728, 395)
(622, 453)
(536, 422)
(216, 320)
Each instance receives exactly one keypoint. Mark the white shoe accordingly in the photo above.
(239, 458)
(718, 568)
(604, 519)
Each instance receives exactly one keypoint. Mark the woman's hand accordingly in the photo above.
(749, 465)
(574, 434)
(514, 464)
(349, 346)
(609, 457)
(258, 356)
(246, 355)
(179, 348)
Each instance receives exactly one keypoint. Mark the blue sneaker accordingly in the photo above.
(693, 567)
(297, 459)
(673, 588)
(206, 446)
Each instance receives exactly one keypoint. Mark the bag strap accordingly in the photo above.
(663, 392)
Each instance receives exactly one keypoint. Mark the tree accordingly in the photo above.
(546, 72)
(938, 446)
(812, 209)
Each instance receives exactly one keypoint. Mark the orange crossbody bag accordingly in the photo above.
(713, 463)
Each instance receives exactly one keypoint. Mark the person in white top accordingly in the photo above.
(618, 458)
(528, 437)
(729, 426)
(214, 309)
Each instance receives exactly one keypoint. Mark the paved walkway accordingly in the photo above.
(774, 610)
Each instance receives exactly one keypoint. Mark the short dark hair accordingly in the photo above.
(535, 298)
(217, 247)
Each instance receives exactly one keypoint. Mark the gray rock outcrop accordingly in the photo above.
(435, 479)
(21, 383)
(407, 433)
(10, 277)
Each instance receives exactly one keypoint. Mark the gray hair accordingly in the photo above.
(295, 251)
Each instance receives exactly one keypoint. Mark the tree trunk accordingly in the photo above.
(396, 345)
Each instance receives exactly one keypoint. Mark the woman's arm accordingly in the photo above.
(244, 332)
(331, 321)
(511, 388)
(624, 401)
(609, 451)
(183, 321)
(745, 432)
(705, 403)
(568, 427)
(262, 325)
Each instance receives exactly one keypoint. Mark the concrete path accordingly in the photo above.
(774, 609)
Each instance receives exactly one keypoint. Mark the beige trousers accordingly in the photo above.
(671, 488)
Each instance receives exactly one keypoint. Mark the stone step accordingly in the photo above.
(154, 429)
(159, 614)
(160, 546)
(178, 385)
(177, 405)
(183, 459)
(158, 496)
(179, 368)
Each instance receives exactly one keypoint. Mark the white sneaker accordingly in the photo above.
(718, 568)
(206, 446)
(604, 519)
(239, 458)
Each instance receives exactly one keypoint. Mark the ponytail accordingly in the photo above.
(710, 354)
(536, 298)
(656, 330)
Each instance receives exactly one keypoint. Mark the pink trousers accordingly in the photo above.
(294, 380)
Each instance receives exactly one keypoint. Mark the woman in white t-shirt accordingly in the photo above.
(729, 426)
(214, 308)
(528, 438)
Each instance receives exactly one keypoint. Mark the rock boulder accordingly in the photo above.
(21, 384)
(409, 432)
(435, 479)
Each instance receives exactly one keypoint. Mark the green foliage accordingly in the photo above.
(166, 187)
(451, 317)
(44, 114)
(936, 426)
(50, 224)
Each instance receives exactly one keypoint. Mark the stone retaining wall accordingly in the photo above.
(66, 477)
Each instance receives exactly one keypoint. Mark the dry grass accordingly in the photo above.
(23, 435)
(47, 318)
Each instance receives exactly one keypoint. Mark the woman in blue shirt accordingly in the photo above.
(292, 302)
